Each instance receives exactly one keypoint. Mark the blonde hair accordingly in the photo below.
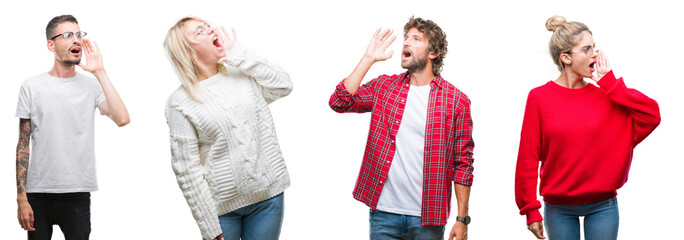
(180, 53)
(565, 36)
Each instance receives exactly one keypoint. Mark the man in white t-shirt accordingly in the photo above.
(57, 110)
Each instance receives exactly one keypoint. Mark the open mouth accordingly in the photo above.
(216, 43)
(75, 50)
(406, 54)
(591, 66)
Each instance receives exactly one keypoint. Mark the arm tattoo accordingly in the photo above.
(23, 153)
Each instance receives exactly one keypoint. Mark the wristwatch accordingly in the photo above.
(465, 219)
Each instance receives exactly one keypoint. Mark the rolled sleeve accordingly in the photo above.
(463, 151)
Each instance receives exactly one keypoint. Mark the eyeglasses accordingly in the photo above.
(587, 50)
(68, 35)
(202, 29)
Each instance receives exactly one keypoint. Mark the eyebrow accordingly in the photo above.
(413, 35)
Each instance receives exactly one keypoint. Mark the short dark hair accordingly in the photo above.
(436, 38)
(49, 30)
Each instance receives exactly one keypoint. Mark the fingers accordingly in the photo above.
(455, 236)
(385, 34)
(224, 33)
(389, 42)
(85, 46)
(96, 48)
(452, 234)
(606, 63)
(221, 35)
(537, 228)
(31, 222)
(382, 34)
(26, 222)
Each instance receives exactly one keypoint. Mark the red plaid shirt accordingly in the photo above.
(448, 140)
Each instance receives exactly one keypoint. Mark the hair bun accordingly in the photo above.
(554, 22)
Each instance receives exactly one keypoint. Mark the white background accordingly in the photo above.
(497, 53)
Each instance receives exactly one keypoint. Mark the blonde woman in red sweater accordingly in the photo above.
(583, 135)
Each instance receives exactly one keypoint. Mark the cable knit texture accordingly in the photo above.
(225, 152)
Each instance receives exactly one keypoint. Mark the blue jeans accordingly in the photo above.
(70, 211)
(384, 225)
(259, 221)
(601, 220)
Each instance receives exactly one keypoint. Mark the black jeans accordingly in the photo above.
(70, 211)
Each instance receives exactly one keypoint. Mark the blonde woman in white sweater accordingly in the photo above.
(224, 148)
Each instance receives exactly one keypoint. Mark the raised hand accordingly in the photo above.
(226, 42)
(377, 48)
(602, 66)
(92, 55)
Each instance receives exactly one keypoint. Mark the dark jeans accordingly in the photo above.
(70, 211)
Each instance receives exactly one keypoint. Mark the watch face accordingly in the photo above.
(467, 220)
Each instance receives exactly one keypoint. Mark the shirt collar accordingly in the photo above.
(438, 81)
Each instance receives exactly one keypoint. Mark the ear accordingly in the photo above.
(566, 59)
(434, 54)
(51, 45)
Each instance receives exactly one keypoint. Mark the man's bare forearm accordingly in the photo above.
(116, 109)
(23, 152)
(462, 197)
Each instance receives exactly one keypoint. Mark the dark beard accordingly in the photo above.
(72, 63)
(416, 65)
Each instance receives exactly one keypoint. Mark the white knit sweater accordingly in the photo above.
(225, 152)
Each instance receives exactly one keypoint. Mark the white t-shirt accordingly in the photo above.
(62, 132)
(403, 189)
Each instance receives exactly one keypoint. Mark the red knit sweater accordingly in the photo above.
(583, 138)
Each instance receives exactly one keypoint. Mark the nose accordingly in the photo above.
(75, 40)
(594, 53)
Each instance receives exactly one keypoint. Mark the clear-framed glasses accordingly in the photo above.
(589, 50)
(68, 35)
(202, 29)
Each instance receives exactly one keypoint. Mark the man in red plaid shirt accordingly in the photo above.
(420, 138)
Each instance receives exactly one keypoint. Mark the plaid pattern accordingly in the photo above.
(448, 140)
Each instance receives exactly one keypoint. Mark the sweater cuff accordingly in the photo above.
(533, 216)
(608, 81)
(212, 230)
(237, 54)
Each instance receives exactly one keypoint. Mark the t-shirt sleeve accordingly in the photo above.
(24, 103)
